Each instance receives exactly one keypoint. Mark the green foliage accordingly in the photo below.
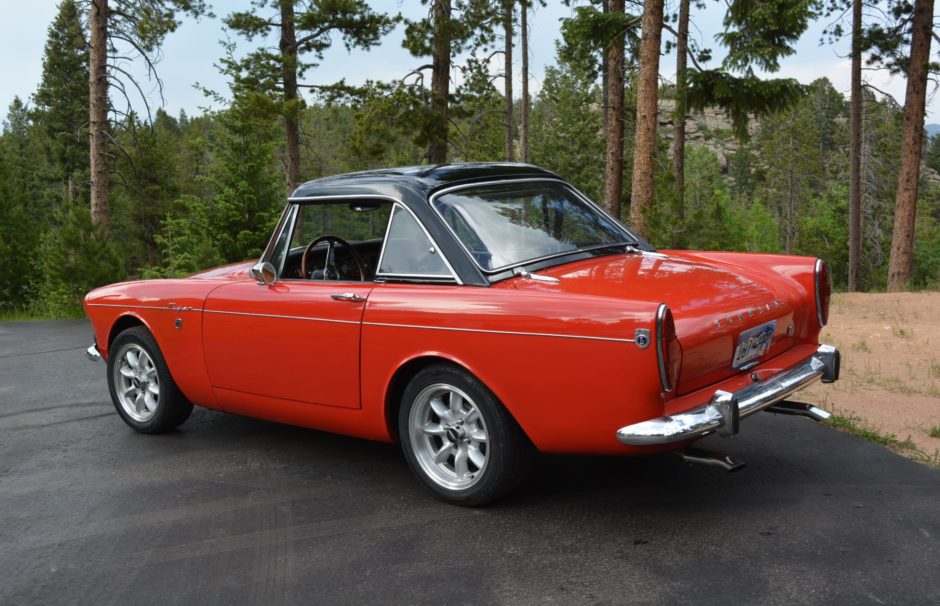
(258, 77)
(186, 241)
(761, 32)
(477, 116)
(235, 220)
(76, 258)
(740, 96)
(62, 97)
(567, 129)
(586, 34)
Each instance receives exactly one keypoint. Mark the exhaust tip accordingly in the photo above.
(699, 456)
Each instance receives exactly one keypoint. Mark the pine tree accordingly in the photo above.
(305, 29)
(61, 101)
(122, 30)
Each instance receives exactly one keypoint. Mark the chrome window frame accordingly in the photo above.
(563, 183)
(453, 274)
(290, 216)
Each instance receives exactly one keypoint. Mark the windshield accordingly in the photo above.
(510, 223)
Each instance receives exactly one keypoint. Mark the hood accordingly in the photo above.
(711, 305)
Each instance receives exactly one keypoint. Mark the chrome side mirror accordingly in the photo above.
(264, 274)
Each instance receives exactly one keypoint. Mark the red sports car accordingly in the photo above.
(474, 313)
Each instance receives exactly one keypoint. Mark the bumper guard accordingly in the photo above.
(92, 353)
(725, 410)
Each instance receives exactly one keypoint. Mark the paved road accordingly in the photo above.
(230, 510)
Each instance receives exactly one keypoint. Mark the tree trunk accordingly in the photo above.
(613, 158)
(524, 122)
(791, 196)
(605, 6)
(855, 152)
(678, 140)
(507, 75)
(98, 111)
(912, 142)
(644, 153)
(440, 83)
(288, 49)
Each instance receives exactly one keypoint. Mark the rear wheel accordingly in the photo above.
(142, 389)
(459, 439)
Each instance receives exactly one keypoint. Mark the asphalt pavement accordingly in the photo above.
(230, 510)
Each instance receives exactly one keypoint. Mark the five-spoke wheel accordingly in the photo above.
(142, 389)
(459, 439)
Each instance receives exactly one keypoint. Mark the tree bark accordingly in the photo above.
(508, 6)
(288, 47)
(644, 153)
(98, 111)
(791, 196)
(855, 152)
(678, 140)
(524, 121)
(440, 83)
(613, 158)
(912, 142)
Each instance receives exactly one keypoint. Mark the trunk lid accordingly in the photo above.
(711, 306)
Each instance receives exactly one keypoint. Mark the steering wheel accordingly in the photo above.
(329, 266)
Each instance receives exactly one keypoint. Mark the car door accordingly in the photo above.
(294, 340)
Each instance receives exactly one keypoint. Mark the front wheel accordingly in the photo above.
(142, 389)
(459, 439)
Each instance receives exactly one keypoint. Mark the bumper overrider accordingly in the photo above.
(723, 413)
(92, 353)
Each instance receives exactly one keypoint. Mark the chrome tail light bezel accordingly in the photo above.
(665, 337)
(822, 279)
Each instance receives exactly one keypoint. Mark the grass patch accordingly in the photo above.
(22, 314)
(853, 424)
(935, 369)
(862, 346)
(934, 431)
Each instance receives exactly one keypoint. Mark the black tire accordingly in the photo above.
(165, 410)
(506, 450)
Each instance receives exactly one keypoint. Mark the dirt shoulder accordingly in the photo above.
(890, 381)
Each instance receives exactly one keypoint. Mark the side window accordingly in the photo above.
(408, 251)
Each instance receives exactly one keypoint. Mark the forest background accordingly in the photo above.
(98, 185)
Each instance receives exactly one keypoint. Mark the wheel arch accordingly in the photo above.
(125, 321)
(408, 369)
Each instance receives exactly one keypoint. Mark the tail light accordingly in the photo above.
(668, 350)
(823, 291)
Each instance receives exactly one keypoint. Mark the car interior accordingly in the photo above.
(337, 241)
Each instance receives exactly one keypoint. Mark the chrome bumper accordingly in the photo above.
(722, 414)
(92, 353)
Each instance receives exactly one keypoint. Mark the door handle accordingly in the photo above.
(348, 296)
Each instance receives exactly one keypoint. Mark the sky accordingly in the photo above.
(190, 54)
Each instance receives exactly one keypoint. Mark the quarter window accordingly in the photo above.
(409, 251)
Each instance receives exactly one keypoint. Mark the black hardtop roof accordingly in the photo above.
(423, 178)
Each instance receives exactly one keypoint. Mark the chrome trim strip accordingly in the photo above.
(453, 274)
(816, 270)
(279, 317)
(165, 308)
(498, 332)
(660, 318)
(564, 183)
(277, 230)
(707, 418)
(290, 225)
(344, 197)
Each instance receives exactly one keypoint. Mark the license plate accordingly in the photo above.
(753, 343)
